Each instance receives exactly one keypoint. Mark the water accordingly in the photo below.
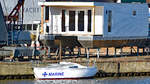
(125, 80)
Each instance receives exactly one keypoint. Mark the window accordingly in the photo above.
(81, 21)
(35, 26)
(71, 20)
(134, 13)
(46, 13)
(73, 67)
(63, 21)
(29, 26)
(109, 20)
(89, 20)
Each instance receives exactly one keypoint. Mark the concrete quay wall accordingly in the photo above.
(124, 67)
(15, 68)
(26, 68)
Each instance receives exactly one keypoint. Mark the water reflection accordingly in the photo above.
(125, 80)
(91, 81)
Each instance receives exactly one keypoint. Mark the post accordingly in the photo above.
(72, 51)
(57, 53)
(131, 50)
(121, 51)
(85, 52)
(107, 52)
(42, 19)
(118, 70)
(79, 51)
(33, 53)
(98, 52)
(143, 50)
(137, 51)
(115, 52)
(60, 50)
(88, 53)
(34, 49)
(49, 52)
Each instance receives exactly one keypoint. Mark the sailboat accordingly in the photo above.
(64, 70)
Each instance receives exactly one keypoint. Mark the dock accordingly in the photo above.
(108, 67)
(76, 32)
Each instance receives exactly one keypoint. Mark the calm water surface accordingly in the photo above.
(125, 80)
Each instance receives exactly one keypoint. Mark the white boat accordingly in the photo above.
(64, 70)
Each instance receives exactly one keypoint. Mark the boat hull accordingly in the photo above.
(64, 78)
(53, 74)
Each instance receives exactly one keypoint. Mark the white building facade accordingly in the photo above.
(93, 21)
(96, 18)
